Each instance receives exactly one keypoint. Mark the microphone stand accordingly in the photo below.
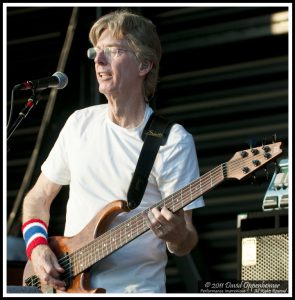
(32, 101)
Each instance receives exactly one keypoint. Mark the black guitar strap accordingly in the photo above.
(154, 135)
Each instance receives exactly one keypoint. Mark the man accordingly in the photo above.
(96, 154)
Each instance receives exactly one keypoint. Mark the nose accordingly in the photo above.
(97, 55)
(100, 57)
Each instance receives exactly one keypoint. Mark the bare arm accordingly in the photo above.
(187, 240)
(38, 200)
(37, 206)
(177, 230)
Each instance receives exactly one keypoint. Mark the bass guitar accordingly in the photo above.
(78, 253)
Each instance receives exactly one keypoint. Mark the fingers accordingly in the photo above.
(51, 273)
(47, 268)
(53, 282)
(160, 222)
(56, 266)
(164, 217)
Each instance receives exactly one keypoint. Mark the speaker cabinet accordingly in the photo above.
(263, 246)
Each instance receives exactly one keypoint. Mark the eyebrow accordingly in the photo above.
(111, 45)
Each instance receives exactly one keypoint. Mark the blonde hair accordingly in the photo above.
(142, 39)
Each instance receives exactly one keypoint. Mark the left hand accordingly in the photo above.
(168, 226)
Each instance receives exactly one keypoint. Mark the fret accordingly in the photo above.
(128, 235)
(143, 222)
(181, 198)
(137, 230)
(120, 231)
(74, 265)
(173, 207)
(205, 183)
(111, 243)
(96, 250)
(90, 255)
(125, 227)
(80, 259)
(200, 185)
(210, 179)
(107, 245)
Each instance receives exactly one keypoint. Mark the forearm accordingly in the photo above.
(37, 202)
(187, 241)
(35, 207)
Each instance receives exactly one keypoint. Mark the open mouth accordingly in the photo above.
(104, 75)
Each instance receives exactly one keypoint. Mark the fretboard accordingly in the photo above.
(128, 230)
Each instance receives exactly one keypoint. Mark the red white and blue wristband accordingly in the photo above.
(35, 232)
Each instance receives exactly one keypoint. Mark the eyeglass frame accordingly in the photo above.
(108, 52)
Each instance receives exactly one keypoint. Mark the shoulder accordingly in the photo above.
(86, 115)
(178, 134)
(83, 121)
(88, 112)
(180, 143)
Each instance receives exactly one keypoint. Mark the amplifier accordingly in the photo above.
(263, 246)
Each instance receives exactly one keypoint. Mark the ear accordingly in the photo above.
(145, 67)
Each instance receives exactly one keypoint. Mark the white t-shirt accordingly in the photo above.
(97, 158)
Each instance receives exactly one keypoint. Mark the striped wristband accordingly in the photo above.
(34, 233)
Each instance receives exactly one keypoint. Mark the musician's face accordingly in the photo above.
(116, 66)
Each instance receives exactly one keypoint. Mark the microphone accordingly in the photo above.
(58, 80)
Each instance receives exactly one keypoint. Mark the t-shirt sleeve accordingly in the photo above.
(180, 165)
(56, 166)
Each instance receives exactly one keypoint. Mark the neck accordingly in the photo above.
(127, 113)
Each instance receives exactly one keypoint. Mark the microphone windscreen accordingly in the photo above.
(62, 79)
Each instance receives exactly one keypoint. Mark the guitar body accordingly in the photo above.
(66, 245)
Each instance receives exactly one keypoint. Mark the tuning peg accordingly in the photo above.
(266, 148)
(243, 153)
(254, 151)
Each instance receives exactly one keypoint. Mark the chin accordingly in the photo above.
(107, 91)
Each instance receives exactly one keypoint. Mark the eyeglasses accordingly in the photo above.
(109, 52)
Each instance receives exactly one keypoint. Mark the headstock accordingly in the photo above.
(247, 161)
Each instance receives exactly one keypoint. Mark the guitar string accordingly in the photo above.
(232, 162)
(114, 233)
(168, 199)
(117, 235)
(104, 238)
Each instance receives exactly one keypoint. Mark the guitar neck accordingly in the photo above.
(128, 230)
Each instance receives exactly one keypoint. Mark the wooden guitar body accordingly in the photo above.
(62, 246)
